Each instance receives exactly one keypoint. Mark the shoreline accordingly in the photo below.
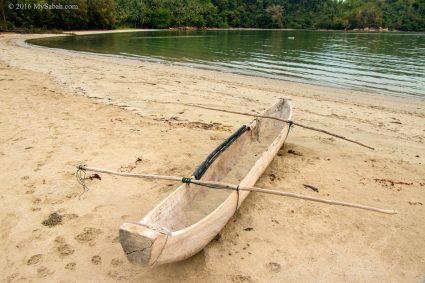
(119, 30)
(326, 93)
(206, 67)
(61, 108)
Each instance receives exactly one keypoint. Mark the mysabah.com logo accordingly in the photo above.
(40, 6)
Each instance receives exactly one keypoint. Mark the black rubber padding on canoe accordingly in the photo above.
(200, 171)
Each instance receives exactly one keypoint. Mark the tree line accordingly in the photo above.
(405, 15)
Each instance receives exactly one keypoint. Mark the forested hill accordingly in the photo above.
(405, 15)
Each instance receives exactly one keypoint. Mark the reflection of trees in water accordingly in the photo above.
(311, 55)
(391, 44)
(240, 44)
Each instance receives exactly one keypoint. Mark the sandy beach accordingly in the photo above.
(59, 109)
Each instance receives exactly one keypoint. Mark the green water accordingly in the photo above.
(389, 63)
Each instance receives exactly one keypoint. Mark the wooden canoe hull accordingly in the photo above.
(146, 243)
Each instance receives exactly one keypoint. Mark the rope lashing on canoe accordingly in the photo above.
(237, 200)
(186, 180)
(81, 177)
(290, 122)
(228, 186)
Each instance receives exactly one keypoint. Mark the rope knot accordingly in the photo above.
(81, 167)
(290, 122)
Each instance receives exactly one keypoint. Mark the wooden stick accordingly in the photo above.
(267, 117)
(228, 186)
(279, 119)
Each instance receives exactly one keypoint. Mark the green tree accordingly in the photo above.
(101, 13)
(158, 18)
(69, 18)
(312, 14)
(130, 12)
(366, 16)
(276, 13)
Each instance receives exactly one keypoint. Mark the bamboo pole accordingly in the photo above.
(228, 186)
(279, 119)
(267, 117)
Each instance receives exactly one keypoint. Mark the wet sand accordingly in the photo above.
(60, 109)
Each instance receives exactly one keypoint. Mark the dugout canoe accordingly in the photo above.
(190, 217)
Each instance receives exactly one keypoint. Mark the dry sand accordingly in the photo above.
(60, 108)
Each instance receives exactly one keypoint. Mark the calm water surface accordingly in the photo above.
(389, 63)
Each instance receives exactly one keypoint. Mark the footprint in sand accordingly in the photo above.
(89, 235)
(30, 185)
(35, 259)
(70, 266)
(274, 267)
(12, 277)
(72, 195)
(116, 262)
(96, 260)
(44, 271)
(36, 234)
(62, 248)
(239, 278)
(116, 276)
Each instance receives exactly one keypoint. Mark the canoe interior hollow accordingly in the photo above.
(191, 203)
